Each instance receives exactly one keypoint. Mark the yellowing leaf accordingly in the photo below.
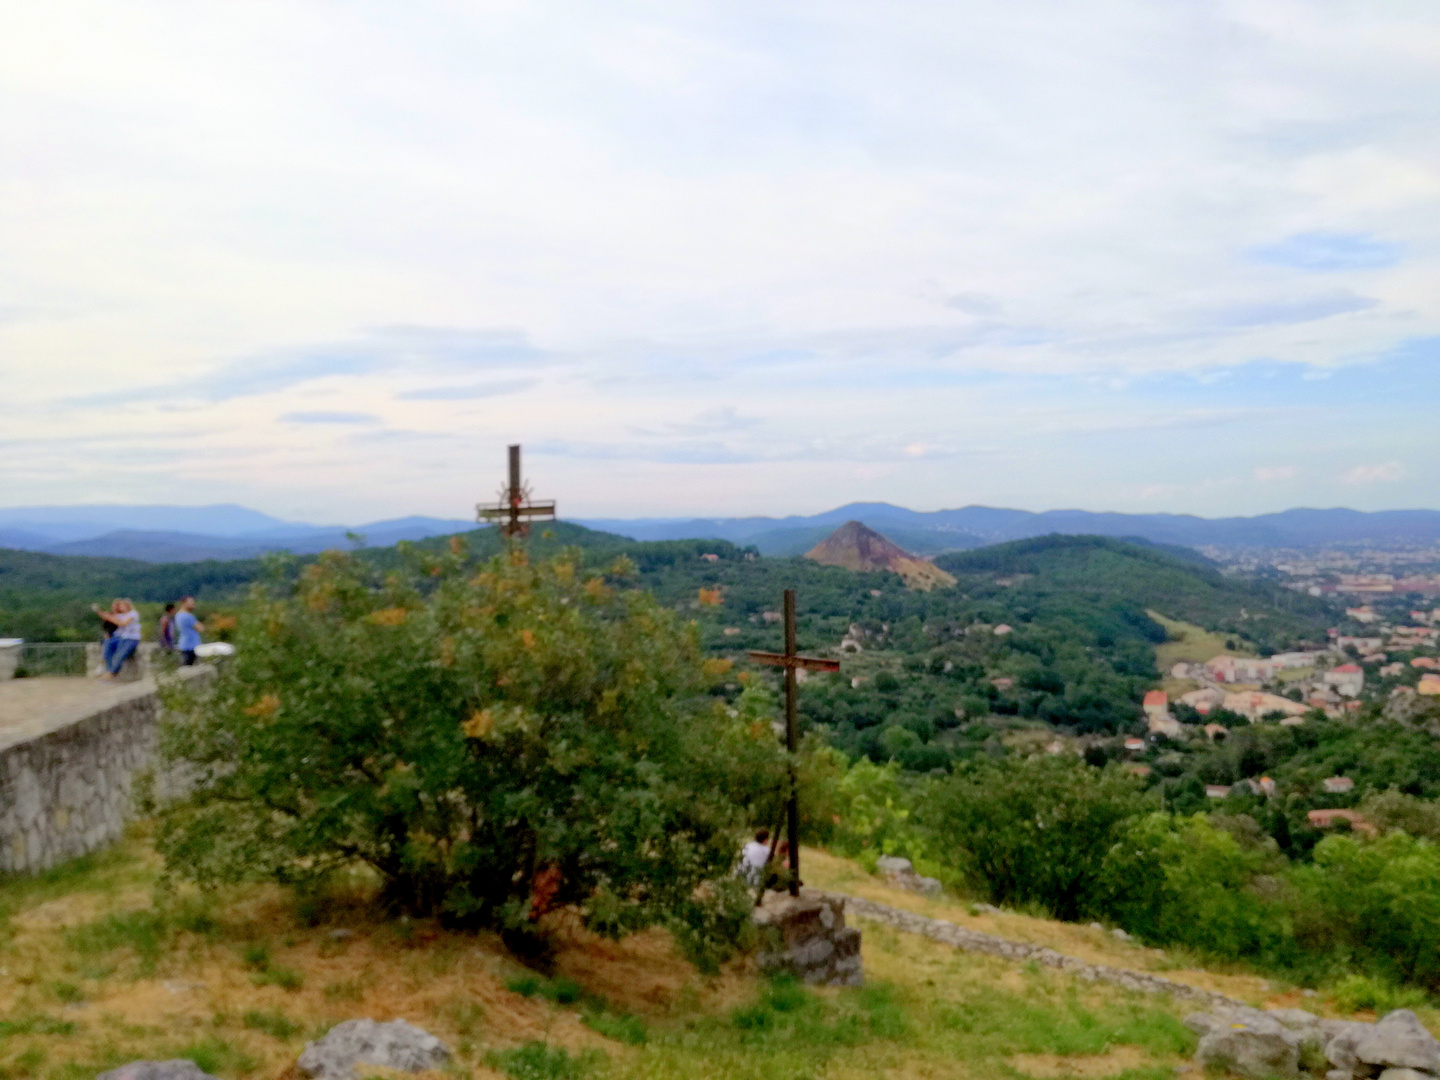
(716, 666)
(265, 708)
(711, 597)
(457, 546)
(480, 724)
(528, 637)
(394, 616)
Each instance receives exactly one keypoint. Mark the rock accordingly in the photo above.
(806, 936)
(1249, 1051)
(1399, 1041)
(1119, 935)
(396, 1045)
(1096, 926)
(1202, 1023)
(1340, 1039)
(986, 909)
(340, 933)
(178, 1069)
(1295, 1019)
(1339, 1074)
(901, 872)
(1405, 1074)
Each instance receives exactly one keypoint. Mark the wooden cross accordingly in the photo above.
(792, 661)
(515, 510)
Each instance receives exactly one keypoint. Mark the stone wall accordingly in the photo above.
(66, 791)
(975, 941)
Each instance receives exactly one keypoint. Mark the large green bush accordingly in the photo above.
(489, 740)
(1031, 830)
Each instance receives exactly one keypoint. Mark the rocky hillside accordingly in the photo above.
(856, 546)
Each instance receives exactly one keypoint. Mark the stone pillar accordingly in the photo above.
(806, 936)
(9, 656)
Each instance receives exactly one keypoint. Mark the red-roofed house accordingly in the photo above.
(1325, 819)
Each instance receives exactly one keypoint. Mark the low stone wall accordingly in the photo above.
(141, 664)
(66, 790)
(975, 941)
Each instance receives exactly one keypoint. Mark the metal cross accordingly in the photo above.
(792, 661)
(515, 510)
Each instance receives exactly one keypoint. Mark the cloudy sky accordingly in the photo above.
(327, 259)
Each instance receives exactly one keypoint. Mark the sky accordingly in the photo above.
(328, 259)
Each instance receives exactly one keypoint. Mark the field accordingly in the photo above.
(102, 963)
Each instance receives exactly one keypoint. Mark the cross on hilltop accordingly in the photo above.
(515, 509)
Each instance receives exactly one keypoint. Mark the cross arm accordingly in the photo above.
(809, 663)
(524, 510)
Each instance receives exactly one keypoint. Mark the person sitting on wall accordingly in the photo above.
(754, 856)
(125, 639)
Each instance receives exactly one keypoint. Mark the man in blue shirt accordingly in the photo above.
(189, 631)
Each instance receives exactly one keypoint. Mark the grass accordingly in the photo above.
(236, 983)
(1189, 643)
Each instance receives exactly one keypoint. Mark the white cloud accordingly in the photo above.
(730, 235)
(1387, 473)
(1266, 474)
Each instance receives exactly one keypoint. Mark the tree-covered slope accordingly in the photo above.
(1048, 574)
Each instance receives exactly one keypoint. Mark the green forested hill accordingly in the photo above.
(1050, 572)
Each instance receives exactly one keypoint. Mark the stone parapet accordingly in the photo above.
(806, 937)
(65, 785)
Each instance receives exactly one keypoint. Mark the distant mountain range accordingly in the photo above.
(227, 531)
(194, 533)
(975, 526)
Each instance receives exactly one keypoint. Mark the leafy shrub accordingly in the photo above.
(1356, 992)
(1378, 902)
(491, 741)
(1031, 829)
(1187, 881)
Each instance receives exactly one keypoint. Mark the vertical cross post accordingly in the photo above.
(792, 661)
(515, 509)
(516, 494)
(792, 808)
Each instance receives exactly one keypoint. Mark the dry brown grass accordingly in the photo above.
(201, 987)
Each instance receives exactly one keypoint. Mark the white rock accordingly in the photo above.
(396, 1045)
(1400, 1041)
(178, 1069)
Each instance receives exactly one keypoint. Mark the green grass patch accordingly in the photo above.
(218, 1057)
(1000, 1024)
(539, 1061)
(561, 991)
(622, 1027)
(274, 1024)
(283, 977)
(36, 1025)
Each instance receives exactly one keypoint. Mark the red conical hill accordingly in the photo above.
(856, 546)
